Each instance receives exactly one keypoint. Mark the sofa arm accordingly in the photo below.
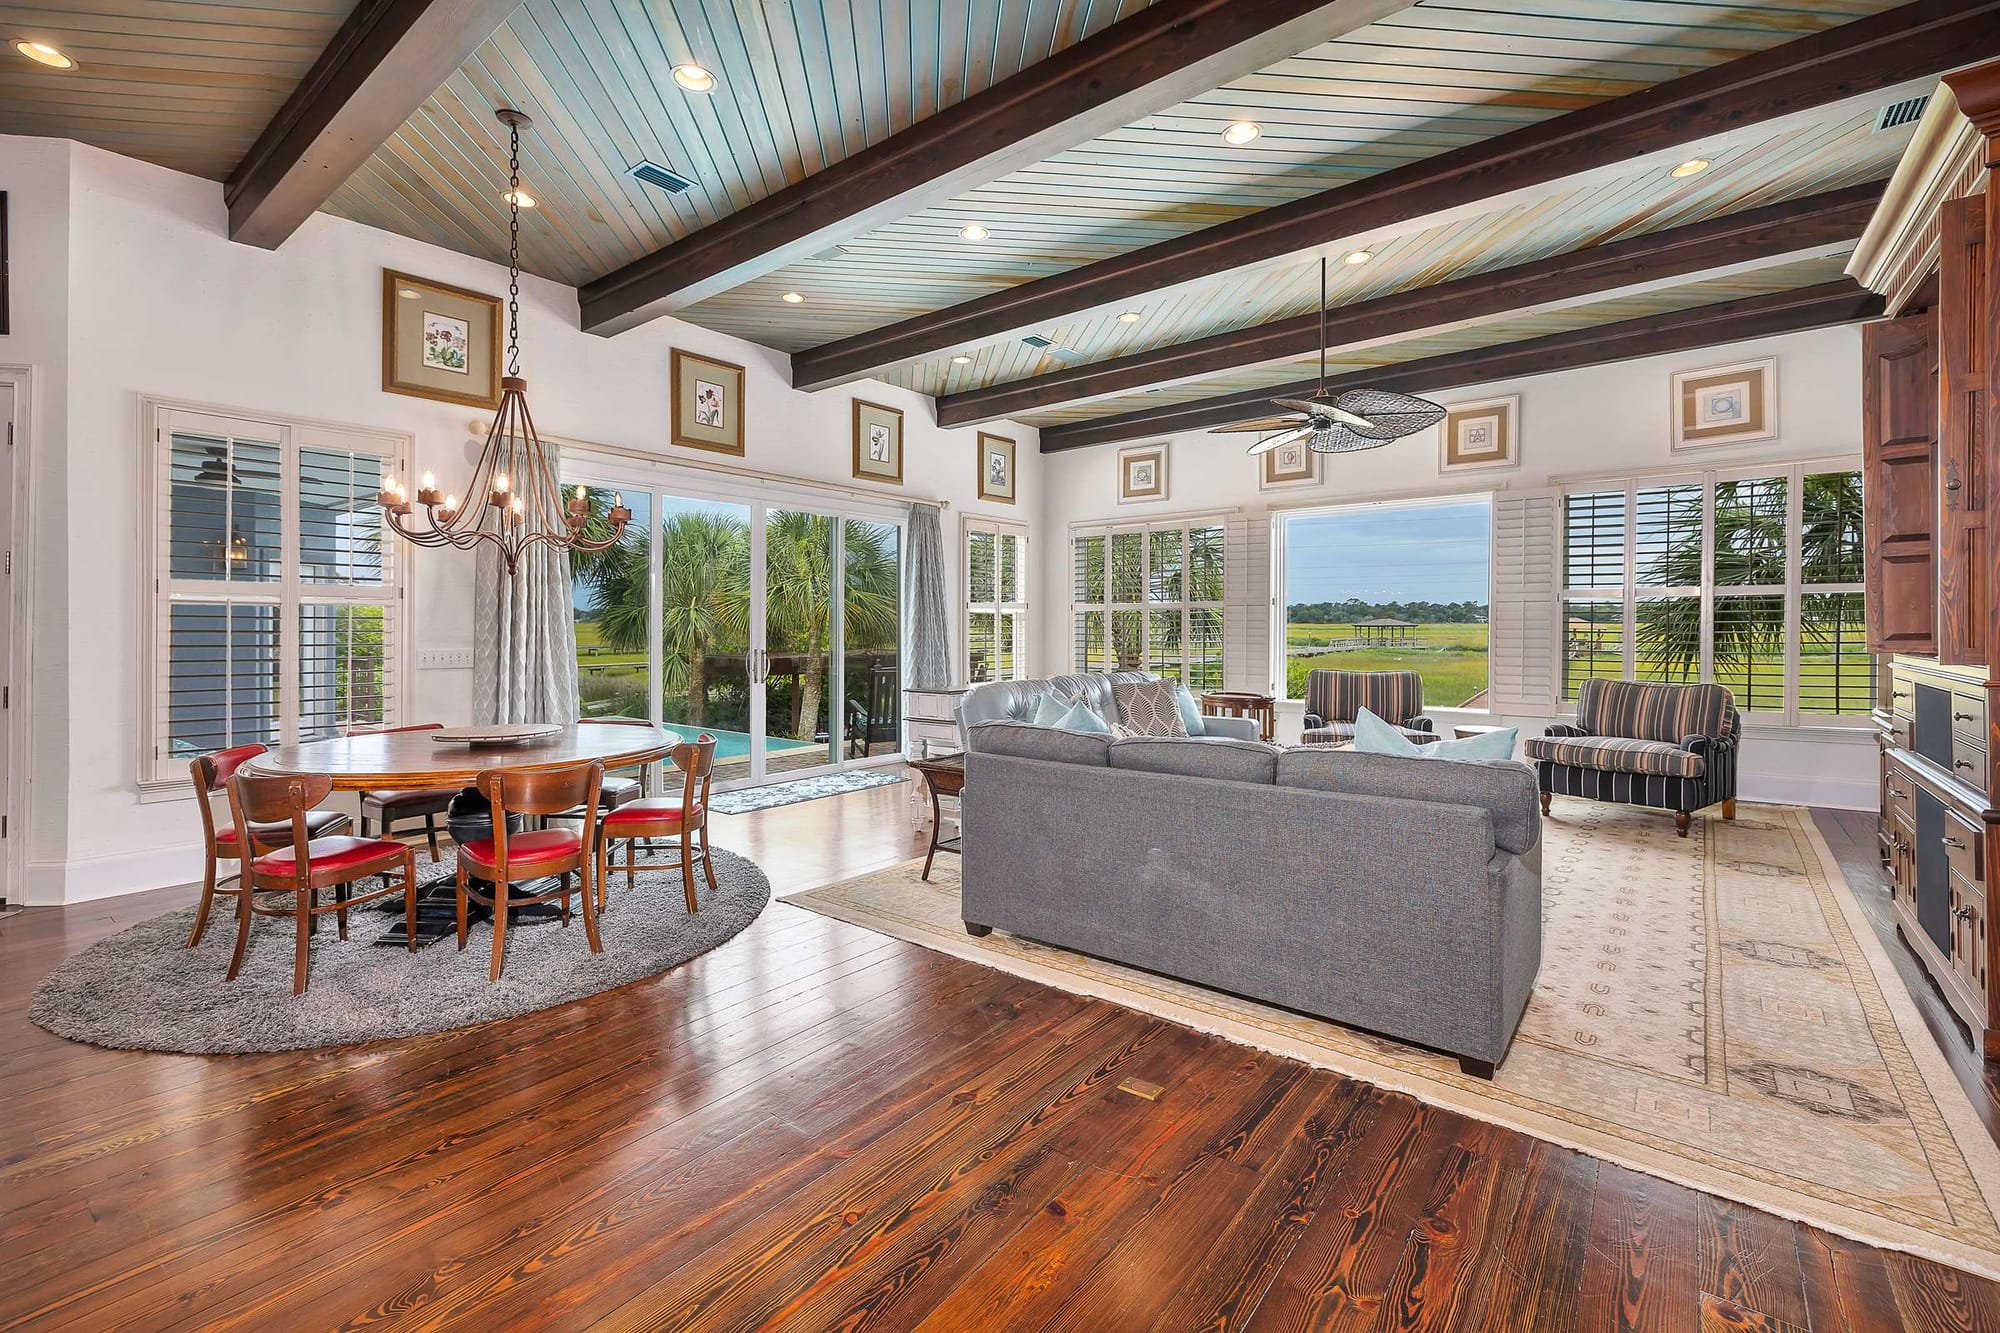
(1235, 728)
(1564, 729)
(1314, 720)
(1707, 744)
(1419, 724)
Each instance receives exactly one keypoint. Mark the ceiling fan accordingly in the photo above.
(1355, 420)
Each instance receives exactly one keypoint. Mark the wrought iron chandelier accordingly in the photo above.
(519, 500)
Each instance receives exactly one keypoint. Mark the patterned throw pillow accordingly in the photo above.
(1148, 708)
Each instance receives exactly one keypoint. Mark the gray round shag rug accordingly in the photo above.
(142, 990)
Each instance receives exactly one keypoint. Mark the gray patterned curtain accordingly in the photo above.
(524, 635)
(930, 611)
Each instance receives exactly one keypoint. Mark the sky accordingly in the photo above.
(1432, 553)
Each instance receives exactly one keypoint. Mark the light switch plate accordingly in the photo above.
(453, 659)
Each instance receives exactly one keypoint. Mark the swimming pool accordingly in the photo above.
(736, 744)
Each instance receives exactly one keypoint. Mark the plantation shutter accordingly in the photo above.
(1247, 589)
(1526, 616)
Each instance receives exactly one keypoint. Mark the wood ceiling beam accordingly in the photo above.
(1754, 234)
(1877, 52)
(1840, 302)
(383, 64)
(1159, 57)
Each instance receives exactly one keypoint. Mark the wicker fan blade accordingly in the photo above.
(1332, 410)
(1257, 427)
(1278, 441)
(1389, 415)
(1341, 440)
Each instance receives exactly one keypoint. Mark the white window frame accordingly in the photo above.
(1281, 602)
(1018, 608)
(160, 774)
(1793, 590)
(1187, 606)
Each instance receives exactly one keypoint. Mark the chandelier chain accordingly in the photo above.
(513, 249)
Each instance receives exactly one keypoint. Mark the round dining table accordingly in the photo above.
(401, 760)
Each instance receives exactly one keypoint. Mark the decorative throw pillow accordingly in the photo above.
(1049, 710)
(1148, 708)
(1190, 711)
(1082, 717)
(1372, 735)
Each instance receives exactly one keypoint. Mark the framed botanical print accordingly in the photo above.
(878, 443)
(1287, 466)
(1482, 435)
(1726, 404)
(439, 341)
(708, 404)
(996, 468)
(1142, 474)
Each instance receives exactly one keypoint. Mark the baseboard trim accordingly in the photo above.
(89, 878)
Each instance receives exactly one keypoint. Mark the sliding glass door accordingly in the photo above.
(775, 626)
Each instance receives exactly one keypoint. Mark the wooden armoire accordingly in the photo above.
(1931, 419)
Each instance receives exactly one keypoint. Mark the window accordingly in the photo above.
(278, 597)
(1750, 579)
(1402, 586)
(1150, 599)
(996, 601)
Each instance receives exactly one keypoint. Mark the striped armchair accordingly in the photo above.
(1668, 747)
(1335, 698)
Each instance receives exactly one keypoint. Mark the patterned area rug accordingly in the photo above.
(1713, 1010)
(775, 794)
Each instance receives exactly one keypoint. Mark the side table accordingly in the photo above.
(945, 776)
(1260, 708)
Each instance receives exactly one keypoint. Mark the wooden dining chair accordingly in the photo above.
(387, 807)
(211, 774)
(508, 858)
(673, 818)
(303, 865)
(619, 788)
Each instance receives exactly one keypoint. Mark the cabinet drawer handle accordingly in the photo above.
(1962, 913)
(1897, 795)
(1962, 763)
(1962, 717)
(1955, 843)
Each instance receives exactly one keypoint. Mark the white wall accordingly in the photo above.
(1601, 420)
(161, 303)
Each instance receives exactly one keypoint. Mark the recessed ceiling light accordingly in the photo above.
(972, 231)
(1359, 256)
(1242, 132)
(1130, 317)
(1694, 166)
(694, 78)
(792, 298)
(521, 197)
(44, 54)
(961, 360)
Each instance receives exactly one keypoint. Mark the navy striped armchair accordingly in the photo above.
(1667, 747)
(1335, 698)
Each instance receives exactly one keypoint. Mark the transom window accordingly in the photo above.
(1150, 599)
(277, 611)
(1750, 579)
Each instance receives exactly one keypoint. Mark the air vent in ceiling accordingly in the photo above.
(825, 255)
(1898, 114)
(660, 178)
(1037, 340)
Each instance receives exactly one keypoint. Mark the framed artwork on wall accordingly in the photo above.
(439, 342)
(1726, 404)
(1142, 474)
(708, 404)
(1287, 466)
(996, 468)
(878, 443)
(1481, 436)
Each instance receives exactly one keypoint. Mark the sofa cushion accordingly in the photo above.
(1618, 754)
(1021, 740)
(1652, 711)
(1048, 711)
(1198, 757)
(1191, 717)
(1148, 708)
(1503, 788)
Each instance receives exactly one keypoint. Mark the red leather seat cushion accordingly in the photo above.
(319, 823)
(525, 849)
(331, 854)
(653, 810)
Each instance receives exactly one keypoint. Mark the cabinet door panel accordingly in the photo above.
(1900, 485)
(1964, 580)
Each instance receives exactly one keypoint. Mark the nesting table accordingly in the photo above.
(945, 776)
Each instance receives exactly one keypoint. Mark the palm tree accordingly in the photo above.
(798, 596)
(1750, 552)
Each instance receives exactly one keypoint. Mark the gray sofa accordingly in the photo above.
(1014, 700)
(1401, 896)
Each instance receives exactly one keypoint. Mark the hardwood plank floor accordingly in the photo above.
(818, 1127)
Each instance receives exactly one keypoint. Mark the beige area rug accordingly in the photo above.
(1713, 1010)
